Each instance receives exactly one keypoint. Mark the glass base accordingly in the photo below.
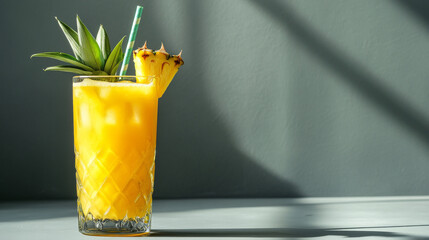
(107, 227)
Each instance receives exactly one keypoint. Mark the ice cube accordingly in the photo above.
(104, 92)
(85, 119)
(77, 92)
(110, 117)
(136, 115)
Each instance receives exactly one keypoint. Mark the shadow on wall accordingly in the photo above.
(203, 160)
(419, 8)
(353, 73)
(200, 158)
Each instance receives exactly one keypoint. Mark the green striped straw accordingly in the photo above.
(131, 39)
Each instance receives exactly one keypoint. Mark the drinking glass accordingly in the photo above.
(115, 120)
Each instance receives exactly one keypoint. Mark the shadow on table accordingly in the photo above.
(278, 233)
(27, 211)
(184, 205)
(302, 217)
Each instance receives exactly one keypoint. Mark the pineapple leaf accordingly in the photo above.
(103, 42)
(120, 58)
(72, 37)
(115, 69)
(66, 68)
(115, 57)
(121, 55)
(91, 53)
(63, 57)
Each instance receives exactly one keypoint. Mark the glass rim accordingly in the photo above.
(147, 79)
(113, 76)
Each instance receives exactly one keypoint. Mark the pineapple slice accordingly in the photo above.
(157, 63)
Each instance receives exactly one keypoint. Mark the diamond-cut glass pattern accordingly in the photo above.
(116, 190)
(110, 187)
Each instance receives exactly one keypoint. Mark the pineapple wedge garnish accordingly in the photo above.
(157, 63)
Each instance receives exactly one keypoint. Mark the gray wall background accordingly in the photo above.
(276, 98)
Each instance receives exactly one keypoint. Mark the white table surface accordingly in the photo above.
(301, 218)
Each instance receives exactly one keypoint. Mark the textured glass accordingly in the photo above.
(115, 140)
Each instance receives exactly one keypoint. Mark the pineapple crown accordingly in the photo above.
(92, 56)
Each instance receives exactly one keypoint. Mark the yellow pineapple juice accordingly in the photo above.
(115, 138)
